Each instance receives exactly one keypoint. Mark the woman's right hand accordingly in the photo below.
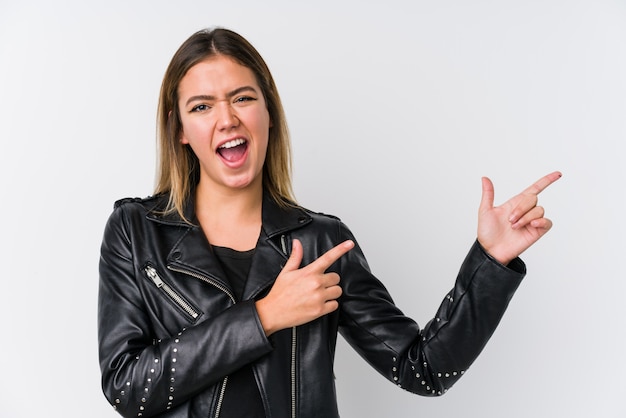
(300, 295)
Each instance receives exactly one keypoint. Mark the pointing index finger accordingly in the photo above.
(541, 184)
(332, 255)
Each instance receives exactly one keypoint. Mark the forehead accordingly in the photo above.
(214, 74)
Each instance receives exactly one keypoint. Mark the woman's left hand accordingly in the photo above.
(508, 230)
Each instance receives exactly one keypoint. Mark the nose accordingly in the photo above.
(226, 117)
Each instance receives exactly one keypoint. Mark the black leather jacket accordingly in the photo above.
(170, 331)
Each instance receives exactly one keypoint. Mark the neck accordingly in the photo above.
(230, 217)
(229, 203)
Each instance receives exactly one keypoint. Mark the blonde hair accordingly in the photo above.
(178, 167)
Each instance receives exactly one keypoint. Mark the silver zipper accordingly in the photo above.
(220, 400)
(232, 298)
(206, 280)
(173, 295)
(294, 345)
(293, 372)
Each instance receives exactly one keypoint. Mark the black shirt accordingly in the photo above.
(242, 398)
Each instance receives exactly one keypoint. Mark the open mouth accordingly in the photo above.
(233, 150)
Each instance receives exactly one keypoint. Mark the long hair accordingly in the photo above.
(178, 167)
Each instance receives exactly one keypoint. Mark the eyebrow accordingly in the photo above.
(230, 94)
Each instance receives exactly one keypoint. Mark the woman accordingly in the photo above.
(220, 296)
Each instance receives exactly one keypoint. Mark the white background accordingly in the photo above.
(396, 108)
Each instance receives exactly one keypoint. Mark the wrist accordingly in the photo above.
(496, 255)
(263, 311)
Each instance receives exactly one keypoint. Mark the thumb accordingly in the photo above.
(486, 201)
(296, 256)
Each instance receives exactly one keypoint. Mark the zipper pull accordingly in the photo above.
(151, 272)
(283, 244)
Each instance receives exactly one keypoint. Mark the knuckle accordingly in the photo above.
(319, 309)
(330, 257)
(333, 277)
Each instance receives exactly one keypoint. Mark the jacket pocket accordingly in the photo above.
(171, 294)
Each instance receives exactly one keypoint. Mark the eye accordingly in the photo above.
(200, 108)
(244, 99)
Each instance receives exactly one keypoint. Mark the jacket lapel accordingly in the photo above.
(274, 245)
(192, 254)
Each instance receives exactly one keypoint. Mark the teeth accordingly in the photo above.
(233, 143)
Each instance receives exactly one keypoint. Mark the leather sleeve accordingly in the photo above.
(425, 361)
(144, 376)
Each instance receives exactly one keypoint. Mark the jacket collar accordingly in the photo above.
(192, 255)
(276, 219)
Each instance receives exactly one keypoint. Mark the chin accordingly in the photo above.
(240, 184)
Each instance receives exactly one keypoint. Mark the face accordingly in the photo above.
(225, 121)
